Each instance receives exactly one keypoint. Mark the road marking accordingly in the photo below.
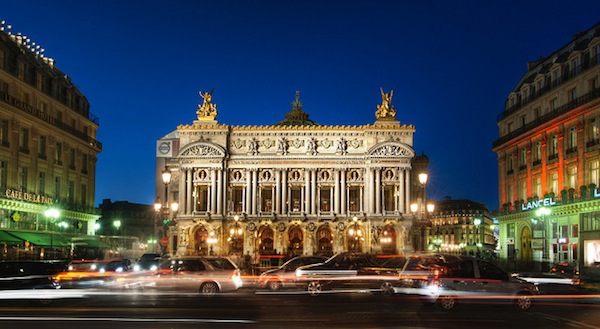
(572, 323)
(73, 319)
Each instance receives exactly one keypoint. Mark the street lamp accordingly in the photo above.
(422, 210)
(543, 213)
(235, 233)
(163, 209)
(117, 225)
(355, 234)
(477, 222)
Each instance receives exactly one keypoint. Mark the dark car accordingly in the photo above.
(20, 275)
(283, 276)
(149, 261)
(347, 272)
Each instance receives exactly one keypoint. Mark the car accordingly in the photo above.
(560, 273)
(456, 278)
(346, 272)
(31, 275)
(204, 275)
(149, 261)
(283, 276)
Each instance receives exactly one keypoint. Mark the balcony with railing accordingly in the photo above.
(550, 85)
(592, 95)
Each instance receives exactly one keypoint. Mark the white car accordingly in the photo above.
(204, 275)
(283, 276)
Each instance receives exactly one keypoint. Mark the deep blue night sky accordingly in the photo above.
(451, 65)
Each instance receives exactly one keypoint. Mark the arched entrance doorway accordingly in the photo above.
(525, 252)
(265, 241)
(201, 241)
(324, 241)
(296, 245)
(387, 239)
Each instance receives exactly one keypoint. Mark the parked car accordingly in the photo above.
(346, 272)
(206, 275)
(283, 277)
(455, 279)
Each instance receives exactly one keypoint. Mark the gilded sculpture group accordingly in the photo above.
(385, 111)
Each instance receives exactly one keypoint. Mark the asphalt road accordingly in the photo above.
(249, 308)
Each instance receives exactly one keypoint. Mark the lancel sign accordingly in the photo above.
(30, 197)
(546, 202)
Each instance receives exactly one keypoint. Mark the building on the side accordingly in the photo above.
(463, 227)
(549, 158)
(48, 151)
(127, 227)
(291, 188)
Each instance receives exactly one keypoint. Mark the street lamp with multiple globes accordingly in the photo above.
(235, 235)
(422, 210)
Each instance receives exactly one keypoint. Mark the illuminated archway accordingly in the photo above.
(201, 241)
(387, 239)
(296, 238)
(265, 241)
(324, 241)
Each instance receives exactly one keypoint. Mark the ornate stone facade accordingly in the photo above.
(295, 187)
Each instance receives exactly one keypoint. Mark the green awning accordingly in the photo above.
(9, 239)
(89, 242)
(41, 239)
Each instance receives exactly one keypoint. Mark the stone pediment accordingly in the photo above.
(202, 149)
(391, 150)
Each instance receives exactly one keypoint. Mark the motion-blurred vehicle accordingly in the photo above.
(34, 275)
(149, 262)
(283, 277)
(560, 273)
(347, 272)
(455, 279)
(87, 273)
(204, 275)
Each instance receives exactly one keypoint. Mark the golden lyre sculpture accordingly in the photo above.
(208, 110)
(386, 110)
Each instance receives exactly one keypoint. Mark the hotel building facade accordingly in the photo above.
(549, 158)
(292, 188)
(48, 152)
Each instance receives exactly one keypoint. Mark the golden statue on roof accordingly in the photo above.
(208, 110)
(386, 110)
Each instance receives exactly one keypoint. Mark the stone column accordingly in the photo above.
(213, 191)
(189, 192)
(378, 191)
(220, 191)
(284, 192)
(343, 190)
(254, 197)
(336, 192)
(313, 187)
(248, 199)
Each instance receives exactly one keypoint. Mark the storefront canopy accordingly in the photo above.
(41, 239)
(6, 238)
(89, 242)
